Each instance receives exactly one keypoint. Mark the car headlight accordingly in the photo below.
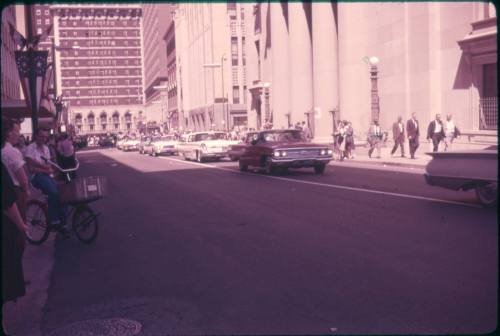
(322, 152)
(283, 153)
(277, 153)
(330, 152)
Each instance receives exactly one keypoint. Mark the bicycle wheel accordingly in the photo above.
(85, 224)
(37, 220)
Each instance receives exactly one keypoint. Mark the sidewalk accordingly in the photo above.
(420, 161)
(25, 317)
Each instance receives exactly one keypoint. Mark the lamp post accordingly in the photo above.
(375, 107)
(267, 111)
(221, 65)
(58, 99)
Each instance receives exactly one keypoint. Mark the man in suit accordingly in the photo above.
(413, 131)
(398, 133)
(435, 131)
(374, 139)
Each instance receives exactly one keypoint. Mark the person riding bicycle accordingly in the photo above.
(35, 155)
(65, 153)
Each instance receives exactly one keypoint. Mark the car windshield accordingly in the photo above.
(210, 136)
(168, 138)
(287, 136)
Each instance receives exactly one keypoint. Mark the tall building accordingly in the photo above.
(211, 65)
(157, 19)
(10, 77)
(98, 63)
(311, 62)
(173, 118)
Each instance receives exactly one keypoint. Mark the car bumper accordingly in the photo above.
(302, 162)
(213, 154)
(166, 151)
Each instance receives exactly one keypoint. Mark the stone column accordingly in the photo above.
(300, 66)
(325, 68)
(280, 82)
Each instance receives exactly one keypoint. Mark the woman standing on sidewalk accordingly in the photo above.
(13, 240)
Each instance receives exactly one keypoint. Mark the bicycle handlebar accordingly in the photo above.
(61, 169)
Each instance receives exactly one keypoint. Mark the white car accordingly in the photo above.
(120, 142)
(203, 145)
(131, 144)
(166, 144)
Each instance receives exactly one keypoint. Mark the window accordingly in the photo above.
(39, 30)
(47, 12)
(38, 12)
(236, 95)
(39, 21)
(47, 21)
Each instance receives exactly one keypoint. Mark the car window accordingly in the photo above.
(290, 136)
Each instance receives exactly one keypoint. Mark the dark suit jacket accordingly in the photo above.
(432, 127)
(411, 130)
(396, 133)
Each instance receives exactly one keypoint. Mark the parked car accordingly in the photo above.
(203, 145)
(132, 144)
(235, 151)
(147, 148)
(274, 150)
(120, 142)
(106, 141)
(465, 170)
(145, 141)
(166, 144)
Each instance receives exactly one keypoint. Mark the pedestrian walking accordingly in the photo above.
(307, 131)
(349, 140)
(398, 134)
(13, 241)
(13, 160)
(413, 132)
(339, 141)
(435, 132)
(374, 139)
(450, 132)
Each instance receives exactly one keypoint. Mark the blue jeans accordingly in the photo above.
(47, 185)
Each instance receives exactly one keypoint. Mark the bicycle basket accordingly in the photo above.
(83, 189)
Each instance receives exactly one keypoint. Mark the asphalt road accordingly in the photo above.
(188, 248)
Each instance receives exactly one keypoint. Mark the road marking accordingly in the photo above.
(334, 186)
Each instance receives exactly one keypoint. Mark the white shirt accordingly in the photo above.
(400, 127)
(449, 127)
(437, 129)
(35, 153)
(13, 161)
(376, 130)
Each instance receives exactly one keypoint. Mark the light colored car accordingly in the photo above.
(465, 170)
(120, 142)
(131, 144)
(203, 145)
(145, 140)
(166, 144)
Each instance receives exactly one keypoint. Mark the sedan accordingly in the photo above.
(465, 170)
(275, 150)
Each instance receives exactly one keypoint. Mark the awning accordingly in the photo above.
(17, 109)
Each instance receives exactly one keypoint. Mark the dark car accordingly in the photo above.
(106, 141)
(235, 151)
(275, 150)
(80, 141)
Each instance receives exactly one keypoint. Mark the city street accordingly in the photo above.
(189, 248)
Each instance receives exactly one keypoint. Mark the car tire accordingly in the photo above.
(319, 169)
(486, 193)
(243, 167)
(268, 166)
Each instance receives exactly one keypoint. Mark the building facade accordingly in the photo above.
(211, 65)
(99, 65)
(310, 62)
(156, 20)
(10, 77)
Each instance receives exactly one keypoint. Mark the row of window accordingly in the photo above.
(39, 21)
(106, 101)
(101, 52)
(101, 62)
(100, 23)
(39, 12)
(100, 33)
(101, 72)
(101, 82)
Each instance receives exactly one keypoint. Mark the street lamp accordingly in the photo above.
(58, 99)
(267, 112)
(221, 65)
(375, 107)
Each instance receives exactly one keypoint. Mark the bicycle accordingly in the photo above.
(84, 219)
